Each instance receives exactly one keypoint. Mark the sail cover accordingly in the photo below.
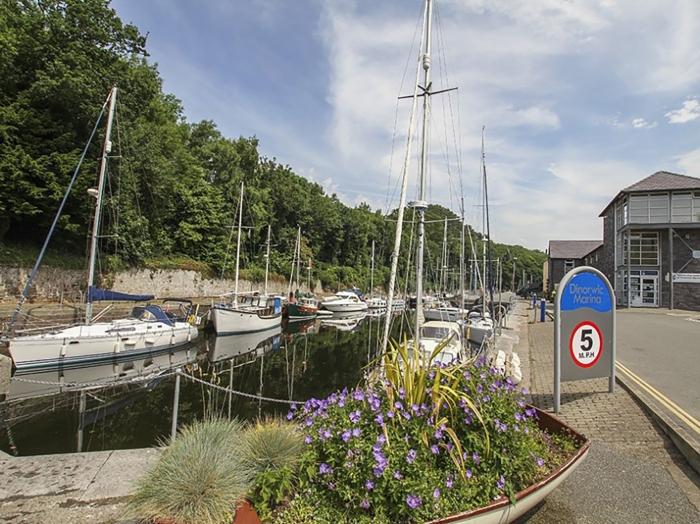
(97, 294)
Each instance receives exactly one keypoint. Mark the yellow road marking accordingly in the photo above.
(663, 399)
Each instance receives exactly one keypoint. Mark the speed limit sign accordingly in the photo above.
(584, 329)
(586, 344)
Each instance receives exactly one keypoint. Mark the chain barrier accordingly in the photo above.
(93, 384)
(240, 393)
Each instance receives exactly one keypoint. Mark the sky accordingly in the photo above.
(579, 99)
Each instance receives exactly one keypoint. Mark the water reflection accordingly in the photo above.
(296, 362)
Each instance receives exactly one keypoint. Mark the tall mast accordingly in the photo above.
(484, 274)
(443, 283)
(421, 205)
(462, 267)
(298, 257)
(267, 258)
(238, 244)
(371, 274)
(106, 149)
(488, 227)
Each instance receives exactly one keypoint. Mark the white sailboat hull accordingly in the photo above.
(84, 345)
(232, 320)
(448, 314)
(479, 330)
(344, 307)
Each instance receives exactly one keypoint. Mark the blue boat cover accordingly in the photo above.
(97, 294)
(159, 314)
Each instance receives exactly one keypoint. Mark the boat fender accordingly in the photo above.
(514, 359)
(63, 348)
(116, 347)
(500, 362)
(516, 374)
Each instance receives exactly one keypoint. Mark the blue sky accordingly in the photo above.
(579, 98)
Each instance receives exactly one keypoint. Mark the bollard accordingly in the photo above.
(543, 303)
(176, 405)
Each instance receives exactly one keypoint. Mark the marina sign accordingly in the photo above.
(686, 278)
(584, 329)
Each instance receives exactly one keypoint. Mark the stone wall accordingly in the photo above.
(58, 285)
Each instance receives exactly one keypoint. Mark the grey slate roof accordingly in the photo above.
(659, 181)
(572, 248)
(664, 181)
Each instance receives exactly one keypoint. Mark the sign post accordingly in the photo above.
(584, 329)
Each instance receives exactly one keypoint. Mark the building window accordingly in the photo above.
(643, 249)
(685, 207)
(568, 265)
(621, 213)
(649, 209)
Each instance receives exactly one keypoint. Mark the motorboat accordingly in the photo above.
(344, 302)
(246, 313)
(444, 311)
(434, 333)
(344, 321)
(376, 303)
(306, 308)
(478, 327)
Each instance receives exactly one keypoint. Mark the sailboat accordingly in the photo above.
(479, 325)
(303, 307)
(151, 329)
(427, 334)
(246, 312)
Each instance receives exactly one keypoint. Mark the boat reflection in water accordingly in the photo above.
(227, 347)
(118, 371)
(344, 321)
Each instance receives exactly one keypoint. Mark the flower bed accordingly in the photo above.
(419, 445)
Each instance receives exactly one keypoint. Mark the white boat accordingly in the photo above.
(478, 327)
(247, 312)
(122, 368)
(444, 312)
(344, 321)
(344, 302)
(434, 333)
(377, 303)
(150, 329)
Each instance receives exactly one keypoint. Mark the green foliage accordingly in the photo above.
(271, 444)
(199, 477)
(271, 489)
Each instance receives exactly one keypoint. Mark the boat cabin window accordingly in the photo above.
(435, 332)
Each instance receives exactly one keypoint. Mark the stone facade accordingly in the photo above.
(685, 295)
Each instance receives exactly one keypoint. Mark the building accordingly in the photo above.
(564, 255)
(651, 242)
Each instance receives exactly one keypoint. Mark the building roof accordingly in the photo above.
(572, 248)
(659, 181)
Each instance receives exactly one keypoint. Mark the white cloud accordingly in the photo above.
(641, 123)
(688, 112)
(689, 163)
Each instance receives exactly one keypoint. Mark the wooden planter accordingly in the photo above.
(502, 511)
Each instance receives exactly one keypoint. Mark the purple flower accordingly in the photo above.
(476, 458)
(355, 416)
(438, 434)
(518, 416)
(398, 475)
(379, 419)
(449, 482)
(413, 501)
(374, 403)
(378, 471)
(411, 456)
(381, 439)
(398, 405)
(402, 393)
(469, 473)
(500, 426)
(415, 408)
(501, 483)
(346, 435)
(290, 415)
(356, 432)
(436, 493)
(324, 433)
(308, 439)
(369, 485)
(530, 412)
(434, 449)
(364, 504)
(540, 462)
(325, 469)
(358, 395)
(309, 422)
(521, 404)
(390, 414)
(406, 415)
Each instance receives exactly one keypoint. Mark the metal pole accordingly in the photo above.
(230, 387)
(557, 352)
(371, 274)
(176, 404)
(267, 260)
(106, 149)
(299, 258)
(238, 245)
(422, 205)
(670, 266)
(81, 419)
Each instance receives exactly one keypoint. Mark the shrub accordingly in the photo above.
(272, 448)
(199, 477)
